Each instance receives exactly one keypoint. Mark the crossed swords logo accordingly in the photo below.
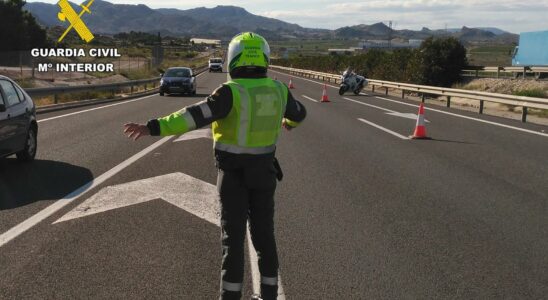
(75, 20)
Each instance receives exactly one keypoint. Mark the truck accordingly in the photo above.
(532, 53)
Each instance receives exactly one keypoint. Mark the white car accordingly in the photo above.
(215, 65)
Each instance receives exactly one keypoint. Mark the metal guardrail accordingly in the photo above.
(522, 101)
(99, 87)
(515, 71)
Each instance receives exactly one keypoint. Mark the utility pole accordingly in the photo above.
(390, 35)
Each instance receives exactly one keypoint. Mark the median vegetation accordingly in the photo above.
(437, 62)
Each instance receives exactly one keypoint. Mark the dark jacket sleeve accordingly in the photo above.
(216, 106)
(295, 111)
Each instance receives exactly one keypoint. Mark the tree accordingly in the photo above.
(19, 28)
(440, 62)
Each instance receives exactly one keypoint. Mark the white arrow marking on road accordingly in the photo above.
(405, 115)
(196, 134)
(184, 191)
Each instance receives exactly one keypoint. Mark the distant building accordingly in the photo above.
(386, 44)
(209, 42)
(341, 51)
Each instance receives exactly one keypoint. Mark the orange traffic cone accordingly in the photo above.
(325, 97)
(291, 86)
(420, 129)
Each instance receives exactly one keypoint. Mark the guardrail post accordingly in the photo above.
(55, 99)
(403, 94)
(477, 73)
(448, 104)
(524, 114)
(131, 91)
(481, 107)
(423, 98)
(386, 91)
(372, 88)
(145, 87)
(498, 72)
(524, 72)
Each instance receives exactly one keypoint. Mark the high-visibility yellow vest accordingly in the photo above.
(255, 120)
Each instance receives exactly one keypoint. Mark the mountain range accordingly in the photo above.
(223, 22)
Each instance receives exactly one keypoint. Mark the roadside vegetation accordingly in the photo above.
(437, 62)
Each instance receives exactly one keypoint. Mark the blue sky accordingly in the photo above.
(511, 15)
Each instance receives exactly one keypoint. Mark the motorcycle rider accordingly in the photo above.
(247, 113)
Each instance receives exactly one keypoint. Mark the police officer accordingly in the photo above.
(247, 113)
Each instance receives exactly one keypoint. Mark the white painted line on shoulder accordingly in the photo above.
(468, 118)
(95, 108)
(370, 105)
(384, 129)
(59, 204)
(311, 99)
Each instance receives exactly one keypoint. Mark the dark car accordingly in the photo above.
(178, 81)
(18, 126)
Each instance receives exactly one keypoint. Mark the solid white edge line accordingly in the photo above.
(439, 111)
(468, 118)
(311, 99)
(57, 205)
(371, 105)
(101, 107)
(255, 274)
(384, 129)
(95, 108)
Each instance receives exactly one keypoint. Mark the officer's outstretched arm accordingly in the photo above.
(295, 113)
(214, 107)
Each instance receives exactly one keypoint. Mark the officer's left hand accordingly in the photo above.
(135, 131)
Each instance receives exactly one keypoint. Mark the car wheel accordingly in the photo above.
(161, 93)
(29, 152)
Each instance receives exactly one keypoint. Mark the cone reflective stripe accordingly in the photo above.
(325, 97)
(420, 128)
(291, 86)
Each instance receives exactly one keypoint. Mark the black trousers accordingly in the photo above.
(247, 192)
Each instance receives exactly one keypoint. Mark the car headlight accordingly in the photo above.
(162, 81)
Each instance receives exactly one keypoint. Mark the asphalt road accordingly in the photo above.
(362, 213)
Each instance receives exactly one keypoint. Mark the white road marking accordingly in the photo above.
(384, 129)
(469, 118)
(101, 107)
(370, 105)
(95, 108)
(440, 111)
(50, 210)
(256, 275)
(406, 116)
(195, 134)
(186, 192)
(311, 99)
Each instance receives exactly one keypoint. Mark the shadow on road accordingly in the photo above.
(25, 183)
(449, 141)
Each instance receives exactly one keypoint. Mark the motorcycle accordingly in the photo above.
(350, 81)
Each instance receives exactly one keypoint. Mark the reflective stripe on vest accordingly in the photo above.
(244, 150)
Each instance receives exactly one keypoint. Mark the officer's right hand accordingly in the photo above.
(135, 131)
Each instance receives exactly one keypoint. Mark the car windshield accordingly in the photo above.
(178, 73)
(215, 61)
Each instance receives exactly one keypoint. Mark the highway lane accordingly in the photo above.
(360, 214)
